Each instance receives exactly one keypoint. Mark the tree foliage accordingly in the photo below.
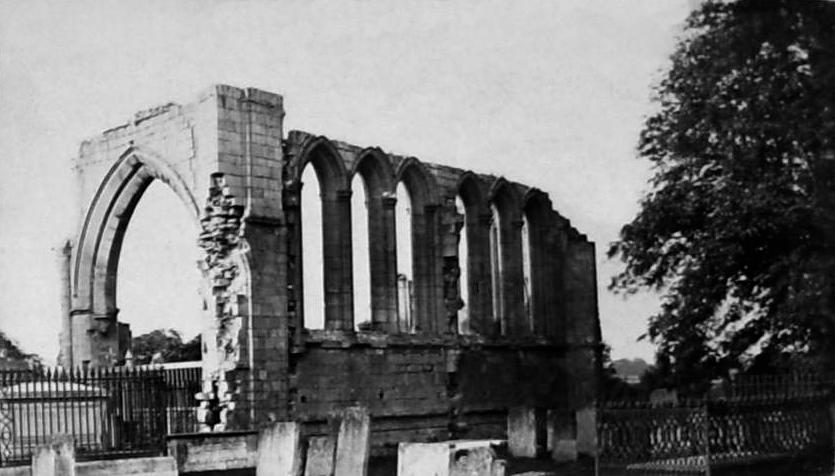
(164, 345)
(12, 356)
(737, 227)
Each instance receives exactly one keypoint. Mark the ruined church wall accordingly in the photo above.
(418, 388)
(416, 385)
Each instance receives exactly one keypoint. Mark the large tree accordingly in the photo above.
(736, 229)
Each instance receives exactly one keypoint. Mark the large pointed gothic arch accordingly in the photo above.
(477, 223)
(335, 192)
(96, 257)
(426, 260)
(373, 167)
(510, 301)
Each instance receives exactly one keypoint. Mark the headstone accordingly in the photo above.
(587, 432)
(472, 462)
(353, 444)
(320, 455)
(499, 468)
(448, 458)
(422, 459)
(521, 432)
(562, 444)
(57, 458)
(278, 450)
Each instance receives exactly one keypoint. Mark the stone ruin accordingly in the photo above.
(532, 336)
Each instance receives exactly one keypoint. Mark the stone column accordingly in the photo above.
(513, 279)
(480, 292)
(383, 234)
(336, 236)
(428, 270)
(65, 355)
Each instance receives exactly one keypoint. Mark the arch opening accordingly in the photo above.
(527, 272)
(313, 276)
(497, 270)
(405, 257)
(363, 313)
(159, 281)
(539, 264)
(464, 266)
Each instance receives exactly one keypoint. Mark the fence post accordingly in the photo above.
(57, 458)
(706, 416)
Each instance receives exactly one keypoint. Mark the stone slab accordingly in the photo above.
(278, 450)
(157, 466)
(353, 443)
(57, 458)
(521, 432)
(320, 456)
(587, 432)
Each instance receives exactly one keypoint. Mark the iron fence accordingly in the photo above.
(759, 420)
(115, 412)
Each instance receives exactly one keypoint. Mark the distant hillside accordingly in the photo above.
(630, 369)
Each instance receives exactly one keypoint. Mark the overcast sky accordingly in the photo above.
(548, 93)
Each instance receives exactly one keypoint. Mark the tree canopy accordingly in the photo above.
(736, 230)
(13, 357)
(164, 345)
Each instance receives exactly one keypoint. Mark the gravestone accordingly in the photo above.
(353, 443)
(278, 450)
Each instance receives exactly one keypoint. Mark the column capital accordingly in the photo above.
(388, 201)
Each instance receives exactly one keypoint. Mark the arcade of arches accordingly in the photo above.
(467, 294)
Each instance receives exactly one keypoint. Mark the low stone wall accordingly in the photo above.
(156, 466)
(159, 466)
(16, 471)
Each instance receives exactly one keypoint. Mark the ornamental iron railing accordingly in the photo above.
(739, 427)
(118, 412)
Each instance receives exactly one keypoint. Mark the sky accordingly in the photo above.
(548, 93)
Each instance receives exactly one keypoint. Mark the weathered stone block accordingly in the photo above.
(422, 459)
(278, 450)
(521, 432)
(448, 458)
(320, 456)
(353, 444)
(57, 458)
(587, 432)
(562, 443)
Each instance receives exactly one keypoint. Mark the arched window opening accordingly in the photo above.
(159, 281)
(361, 255)
(496, 270)
(405, 276)
(527, 275)
(464, 265)
(313, 281)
